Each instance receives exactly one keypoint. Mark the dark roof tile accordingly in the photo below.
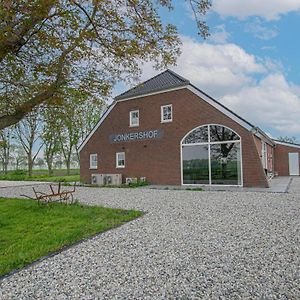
(163, 81)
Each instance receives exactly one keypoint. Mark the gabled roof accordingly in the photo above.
(168, 81)
(163, 81)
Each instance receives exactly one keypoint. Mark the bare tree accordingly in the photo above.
(76, 119)
(6, 136)
(28, 133)
(50, 136)
(19, 157)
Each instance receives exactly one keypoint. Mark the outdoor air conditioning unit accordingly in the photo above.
(112, 179)
(107, 179)
(96, 179)
(143, 179)
(130, 180)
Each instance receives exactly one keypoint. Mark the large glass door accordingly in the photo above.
(211, 154)
(195, 164)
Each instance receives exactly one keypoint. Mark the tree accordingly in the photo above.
(19, 157)
(48, 45)
(76, 119)
(50, 136)
(28, 133)
(6, 137)
(288, 139)
(40, 162)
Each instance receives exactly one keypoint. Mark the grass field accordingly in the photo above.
(42, 175)
(29, 231)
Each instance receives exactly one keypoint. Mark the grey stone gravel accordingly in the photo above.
(189, 245)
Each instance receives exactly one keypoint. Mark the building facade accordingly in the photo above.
(172, 133)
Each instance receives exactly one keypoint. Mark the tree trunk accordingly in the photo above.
(49, 162)
(68, 164)
(5, 167)
(30, 165)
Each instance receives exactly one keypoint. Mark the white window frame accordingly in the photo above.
(117, 160)
(93, 160)
(162, 113)
(209, 143)
(264, 154)
(131, 119)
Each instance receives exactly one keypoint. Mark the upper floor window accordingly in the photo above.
(134, 118)
(93, 161)
(166, 113)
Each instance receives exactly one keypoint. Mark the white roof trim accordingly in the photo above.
(97, 126)
(154, 93)
(219, 107)
(263, 136)
(287, 144)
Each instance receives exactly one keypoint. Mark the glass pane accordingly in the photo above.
(220, 133)
(167, 113)
(225, 164)
(195, 164)
(199, 135)
(134, 118)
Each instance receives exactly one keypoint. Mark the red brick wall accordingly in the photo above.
(281, 154)
(159, 160)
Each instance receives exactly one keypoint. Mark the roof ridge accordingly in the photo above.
(136, 86)
(177, 75)
(290, 143)
(176, 78)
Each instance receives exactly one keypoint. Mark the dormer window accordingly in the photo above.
(166, 113)
(134, 118)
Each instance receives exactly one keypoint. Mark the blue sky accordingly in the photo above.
(251, 62)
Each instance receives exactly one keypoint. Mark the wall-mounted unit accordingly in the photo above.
(106, 179)
(130, 180)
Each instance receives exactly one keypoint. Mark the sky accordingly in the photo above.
(250, 63)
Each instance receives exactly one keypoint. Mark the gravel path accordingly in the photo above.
(189, 245)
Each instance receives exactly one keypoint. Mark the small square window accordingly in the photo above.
(93, 161)
(120, 159)
(134, 118)
(166, 113)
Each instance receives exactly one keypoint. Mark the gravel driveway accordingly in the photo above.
(189, 245)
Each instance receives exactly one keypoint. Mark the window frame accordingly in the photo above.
(131, 119)
(117, 160)
(93, 155)
(210, 143)
(162, 113)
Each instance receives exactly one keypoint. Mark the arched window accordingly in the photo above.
(211, 154)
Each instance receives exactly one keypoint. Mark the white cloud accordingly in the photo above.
(217, 69)
(259, 31)
(220, 35)
(253, 87)
(267, 9)
(272, 102)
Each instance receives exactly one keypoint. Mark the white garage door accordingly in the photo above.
(294, 163)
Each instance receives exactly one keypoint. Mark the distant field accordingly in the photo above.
(42, 175)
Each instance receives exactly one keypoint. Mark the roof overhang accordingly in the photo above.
(287, 144)
(262, 135)
(153, 93)
(102, 118)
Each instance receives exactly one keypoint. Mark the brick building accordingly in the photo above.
(172, 133)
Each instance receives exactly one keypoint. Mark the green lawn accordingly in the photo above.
(29, 231)
(42, 175)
